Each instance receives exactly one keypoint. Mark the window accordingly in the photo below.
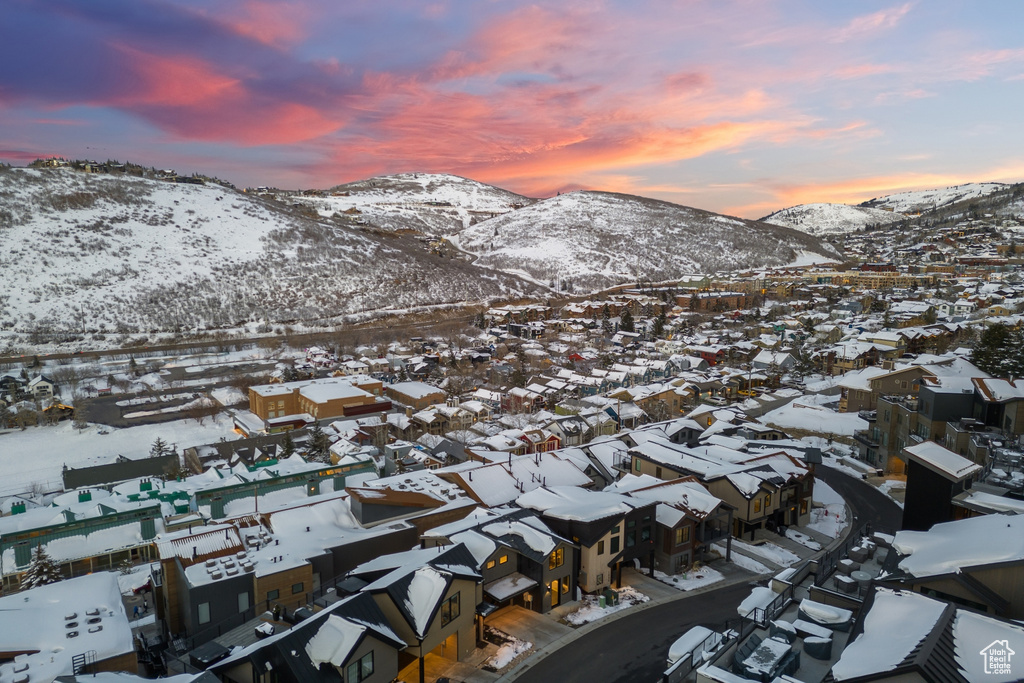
(803, 506)
(565, 584)
(274, 594)
(615, 545)
(757, 505)
(600, 547)
(490, 564)
(243, 602)
(296, 588)
(361, 669)
(631, 538)
(450, 610)
(636, 464)
(657, 472)
(203, 612)
(556, 559)
(682, 535)
(767, 500)
(503, 559)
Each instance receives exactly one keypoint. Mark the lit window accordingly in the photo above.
(503, 559)
(556, 559)
(490, 564)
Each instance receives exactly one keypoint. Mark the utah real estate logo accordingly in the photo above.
(997, 657)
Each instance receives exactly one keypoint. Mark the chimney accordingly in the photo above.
(195, 553)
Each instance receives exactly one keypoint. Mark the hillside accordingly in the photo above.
(590, 240)
(427, 203)
(824, 219)
(105, 255)
(927, 200)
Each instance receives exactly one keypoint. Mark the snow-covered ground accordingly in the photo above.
(590, 609)
(830, 518)
(688, 581)
(802, 539)
(742, 561)
(510, 648)
(831, 219)
(923, 200)
(810, 414)
(37, 454)
(890, 485)
(768, 551)
(433, 203)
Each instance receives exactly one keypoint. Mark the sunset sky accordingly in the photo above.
(740, 107)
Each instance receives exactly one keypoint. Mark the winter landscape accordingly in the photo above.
(494, 342)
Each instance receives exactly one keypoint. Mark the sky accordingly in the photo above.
(742, 107)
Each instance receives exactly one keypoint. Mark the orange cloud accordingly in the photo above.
(192, 99)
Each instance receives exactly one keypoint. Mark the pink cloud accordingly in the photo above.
(276, 24)
(876, 22)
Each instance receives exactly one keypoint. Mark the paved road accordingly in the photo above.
(634, 647)
(867, 503)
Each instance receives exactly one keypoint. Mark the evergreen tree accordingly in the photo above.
(606, 327)
(42, 570)
(287, 446)
(606, 312)
(1000, 351)
(319, 445)
(626, 323)
(159, 448)
(659, 325)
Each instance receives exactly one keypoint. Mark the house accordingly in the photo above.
(349, 640)
(415, 395)
(430, 602)
(689, 519)
(935, 476)
(521, 561)
(766, 490)
(611, 529)
(42, 388)
(905, 636)
(976, 562)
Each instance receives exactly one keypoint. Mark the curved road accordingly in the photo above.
(634, 647)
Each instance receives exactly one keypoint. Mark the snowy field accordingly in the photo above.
(38, 454)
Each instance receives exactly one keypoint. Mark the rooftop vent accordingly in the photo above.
(71, 634)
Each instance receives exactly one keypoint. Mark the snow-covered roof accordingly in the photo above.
(572, 503)
(896, 623)
(948, 547)
(942, 460)
(38, 621)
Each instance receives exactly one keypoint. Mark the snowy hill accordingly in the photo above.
(592, 240)
(428, 203)
(100, 254)
(831, 219)
(926, 200)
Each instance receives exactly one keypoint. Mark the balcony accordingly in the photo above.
(864, 436)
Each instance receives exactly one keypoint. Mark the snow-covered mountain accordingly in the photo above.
(592, 240)
(428, 203)
(825, 219)
(926, 200)
(104, 254)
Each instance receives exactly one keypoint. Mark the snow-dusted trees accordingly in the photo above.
(42, 570)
